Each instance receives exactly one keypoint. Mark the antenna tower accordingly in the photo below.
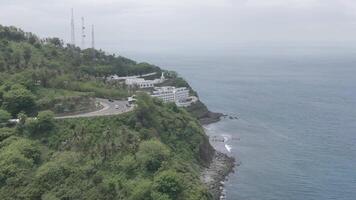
(72, 29)
(92, 37)
(83, 33)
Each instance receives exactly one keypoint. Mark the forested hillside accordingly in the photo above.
(152, 153)
(38, 73)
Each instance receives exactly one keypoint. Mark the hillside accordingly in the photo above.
(44, 73)
(154, 152)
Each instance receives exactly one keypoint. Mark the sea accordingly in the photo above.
(293, 117)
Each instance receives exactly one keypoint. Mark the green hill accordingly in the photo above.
(152, 153)
(43, 70)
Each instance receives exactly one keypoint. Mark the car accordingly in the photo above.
(116, 106)
(111, 100)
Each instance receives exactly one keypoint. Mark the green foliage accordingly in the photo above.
(142, 191)
(104, 157)
(27, 54)
(154, 152)
(168, 183)
(40, 64)
(43, 123)
(151, 154)
(22, 118)
(18, 99)
(45, 120)
(18, 157)
(128, 164)
(4, 117)
(6, 133)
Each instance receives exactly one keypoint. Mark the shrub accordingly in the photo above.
(44, 123)
(151, 154)
(168, 183)
(4, 117)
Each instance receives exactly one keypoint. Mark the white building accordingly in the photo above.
(139, 82)
(142, 83)
(122, 78)
(171, 94)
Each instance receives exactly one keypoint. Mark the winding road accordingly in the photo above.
(113, 107)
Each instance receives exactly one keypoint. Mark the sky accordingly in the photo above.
(188, 25)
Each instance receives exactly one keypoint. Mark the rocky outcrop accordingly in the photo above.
(202, 113)
(215, 175)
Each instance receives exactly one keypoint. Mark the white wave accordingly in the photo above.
(228, 148)
(226, 137)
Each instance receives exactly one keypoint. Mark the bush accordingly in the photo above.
(151, 154)
(6, 133)
(44, 123)
(45, 120)
(19, 99)
(142, 191)
(168, 183)
(4, 117)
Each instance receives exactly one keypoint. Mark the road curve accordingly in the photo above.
(114, 107)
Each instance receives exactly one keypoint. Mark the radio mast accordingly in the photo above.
(92, 37)
(83, 33)
(72, 29)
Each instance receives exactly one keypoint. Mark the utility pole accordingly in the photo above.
(83, 33)
(72, 29)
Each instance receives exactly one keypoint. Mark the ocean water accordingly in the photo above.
(296, 133)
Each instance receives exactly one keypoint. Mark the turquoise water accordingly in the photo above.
(297, 125)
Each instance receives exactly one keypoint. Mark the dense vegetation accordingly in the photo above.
(152, 153)
(38, 73)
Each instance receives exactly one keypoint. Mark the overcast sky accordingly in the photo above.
(188, 25)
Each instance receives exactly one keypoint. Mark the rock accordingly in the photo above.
(214, 175)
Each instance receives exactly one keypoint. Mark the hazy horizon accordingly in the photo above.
(183, 26)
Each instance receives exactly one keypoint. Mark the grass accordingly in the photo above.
(52, 93)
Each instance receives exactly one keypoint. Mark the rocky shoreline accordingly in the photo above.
(210, 118)
(221, 165)
(215, 175)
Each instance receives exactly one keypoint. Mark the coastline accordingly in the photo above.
(221, 165)
(210, 118)
(216, 174)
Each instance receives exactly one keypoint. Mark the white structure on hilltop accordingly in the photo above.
(139, 82)
(122, 78)
(142, 83)
(172, 94)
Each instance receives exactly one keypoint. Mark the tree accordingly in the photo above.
(56, 42)
(17, 159)
(2, 65)
(168, 183)
(151, 154)
(142, 191)
(43, 123)
(145, 110)
(16, 59)
(22, 117)
(6, 133)
(32, 39)
(19, 99)
(45, 120)
(128, 164)
(27, 54)
(4, 117)
(22, 120)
